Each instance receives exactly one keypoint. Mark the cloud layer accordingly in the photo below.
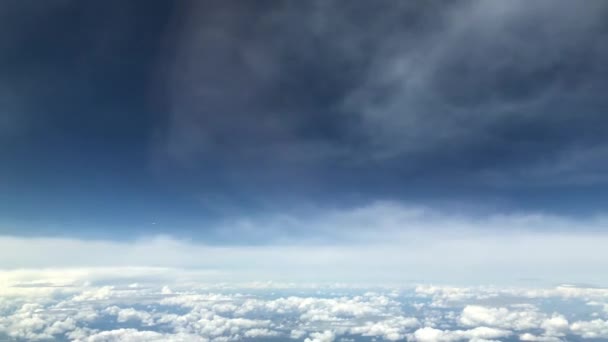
(96, 306)
(386, 242)
(495, 92)
(121, 115)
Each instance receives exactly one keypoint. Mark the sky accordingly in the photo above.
(306, 140)
(312, 171)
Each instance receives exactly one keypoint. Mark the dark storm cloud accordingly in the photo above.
(120, 109)
(495, 90)
(259, 79)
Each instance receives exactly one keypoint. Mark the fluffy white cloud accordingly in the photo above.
(35, 322)
(392, 329)
(132, 335)
(325, 336)
(95, 294)
(476, 315)
(97, 305)
(557, 325)
(478, 334)
(448, 296)
(517, 318)
(194, 314)
(538, 338)
(257, 332)
(130, 314)
(596, 328)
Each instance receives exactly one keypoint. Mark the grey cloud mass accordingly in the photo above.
(183, 113)
(495, 90)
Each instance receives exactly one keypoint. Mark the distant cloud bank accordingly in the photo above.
(380, 243)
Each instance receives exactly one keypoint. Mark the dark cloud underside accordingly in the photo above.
(184, 109)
